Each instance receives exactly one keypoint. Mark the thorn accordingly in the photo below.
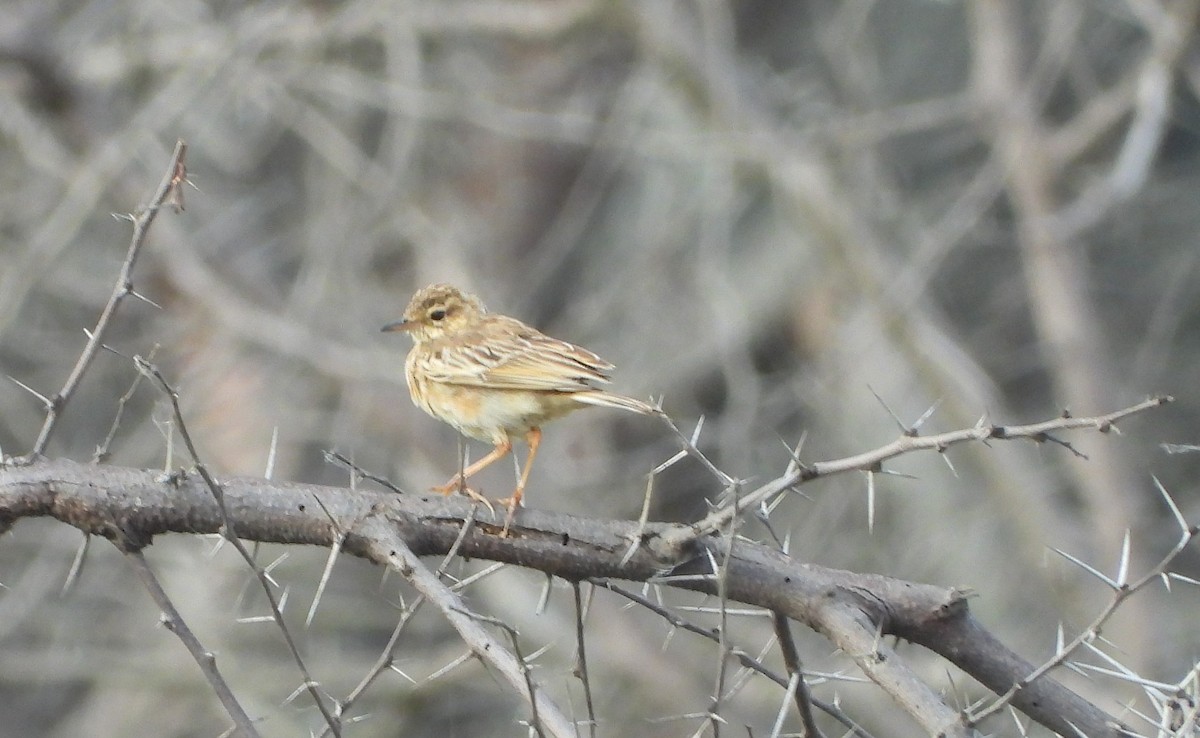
(545, 598)
(904, 430)
(44, 400)
(334, 551)
(113, 351)
(712, 562)
(1047, 438)
(1089, 569)
(145, 299)
(679, 456)
(1123, 566)
(1179, 448)
(629, 552)
(76, 565)
(949, 463)
(1184, 579)
(270, 470)
(870, 502)
(105, 346)
(1175, 511)
(338, 459)
(396, 669)
(925, 416)
(763, 516)
(795, 465)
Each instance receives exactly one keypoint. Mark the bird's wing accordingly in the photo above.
(511, 355)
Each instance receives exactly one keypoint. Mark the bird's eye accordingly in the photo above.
(436, 315)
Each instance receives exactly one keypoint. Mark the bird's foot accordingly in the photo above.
(511, 503)
(457, 486)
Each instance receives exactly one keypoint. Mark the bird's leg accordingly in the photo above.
(459, 481)
(502, 449)
(534, 439)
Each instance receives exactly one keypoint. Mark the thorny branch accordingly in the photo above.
(387, 546)
(853, 610)
(229, 533)
(387, 657)
(1150, 122)
(797, 473)
(791, 659)
(169, 192)
(581, 667)
(745, 659)
(174, 622)
(1122, 590)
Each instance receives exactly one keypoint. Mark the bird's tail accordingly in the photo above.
(601, 398)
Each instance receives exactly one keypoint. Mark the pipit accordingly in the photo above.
(492, 377)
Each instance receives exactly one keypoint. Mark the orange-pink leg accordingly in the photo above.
(459, 481)
(534, 439)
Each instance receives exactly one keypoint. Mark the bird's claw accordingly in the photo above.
(452, 487)
(511, 503)
(480, 499)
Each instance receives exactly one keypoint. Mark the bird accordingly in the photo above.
(494, 378)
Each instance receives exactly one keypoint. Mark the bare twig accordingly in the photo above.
(168, 192)
(339, 459)
(385, 661)
(77, 563)
(581, 668)
(1122, 591)
(723, 647)
(644, 517)
(202, 656)
(334, 552)
(689, 445)
(535, 721)
(102, 451)
(745, 659)
(387, 657)
(791, 659)
(230, 535)
(387, 546)
(869, 460)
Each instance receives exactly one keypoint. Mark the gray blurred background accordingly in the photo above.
(766, 213)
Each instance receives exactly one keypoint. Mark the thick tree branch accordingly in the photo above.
(853, 610)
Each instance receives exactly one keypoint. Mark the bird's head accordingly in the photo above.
(437, 310)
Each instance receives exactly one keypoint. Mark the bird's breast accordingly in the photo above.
(489, 414)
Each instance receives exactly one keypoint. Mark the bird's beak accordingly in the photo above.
(399, 325)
